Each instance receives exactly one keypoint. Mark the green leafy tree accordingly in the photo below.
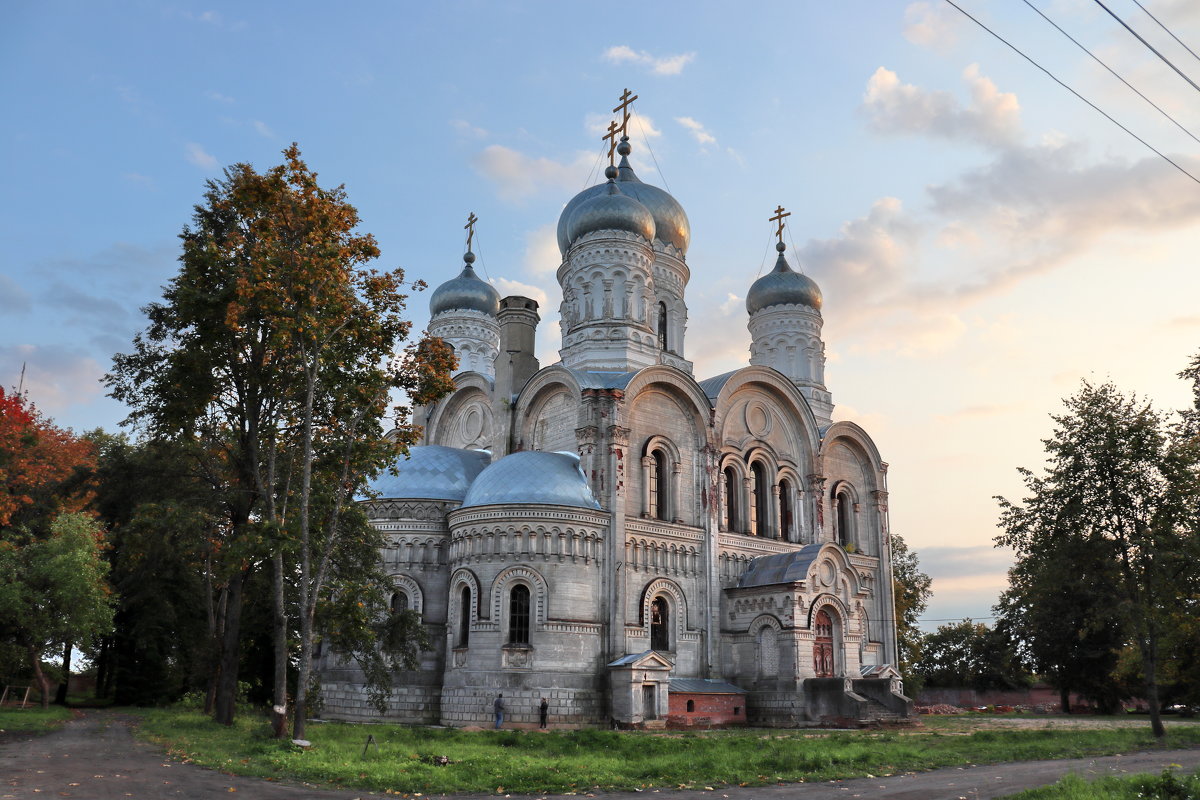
(912, 590)
(970, 654)
(53, 590)
(1119, 494)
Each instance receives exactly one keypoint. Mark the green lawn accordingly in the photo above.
(32, 719)
(406, 758)
(1167, 786)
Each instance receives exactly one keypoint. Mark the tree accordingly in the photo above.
(1118, 497)
(272, 356)
(912, 591)
(971, 654)
(53, 590)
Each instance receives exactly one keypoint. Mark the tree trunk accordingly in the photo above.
(226, 696)
(35, 660)
(1064, 699)
(102, 666)
(216, 628)
(1150, 667)
(61, 697)
(280, 639)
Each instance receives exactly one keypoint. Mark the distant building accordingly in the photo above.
(621, 538)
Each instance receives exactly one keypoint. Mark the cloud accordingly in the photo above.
(207, 17)
(948, 563)
(508, 287)
(56, 377)
(993, 117)
(220, 98)
(518, 176)
(732, 303)
(932, 25)
(262, 130)
(697, 130)
(541, 250)
(198, 156)
(974, 412)
(140, 179)
(1183, 323)
(597, 124)
(467, 129)
(658, 65)
(13, 298)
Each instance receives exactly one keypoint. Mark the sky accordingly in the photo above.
(984, 240)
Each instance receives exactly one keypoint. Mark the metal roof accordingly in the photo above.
(702, 686)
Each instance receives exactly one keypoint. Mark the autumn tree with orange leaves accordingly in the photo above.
(273, 355)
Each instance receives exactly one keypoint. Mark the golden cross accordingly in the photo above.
(779, 215)
(623, 107)
(470, 229)
(611, 136)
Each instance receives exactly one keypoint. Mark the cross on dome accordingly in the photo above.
(626, 100)
(611, 136)
(470, 229)
(779, 215)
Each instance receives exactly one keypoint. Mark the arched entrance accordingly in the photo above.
(823, 659)
(660, 631)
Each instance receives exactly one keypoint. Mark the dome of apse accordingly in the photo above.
(783, 286)
(431, 472)
(670, 222)
(532, 477)
(467, 292)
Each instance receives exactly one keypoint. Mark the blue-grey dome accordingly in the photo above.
(532, 477)
(431, 472)
(670, 222)
(783, 286)
(611, 210)
(467, 292)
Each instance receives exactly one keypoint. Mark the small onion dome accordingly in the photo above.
(532, 477)
(431, 472)
(670, 222)
(467, 292)
(783, 286)
(611, 211)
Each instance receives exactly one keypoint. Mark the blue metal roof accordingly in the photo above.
(780, 568)
(431, 472)
(532, 477)
(702, 686)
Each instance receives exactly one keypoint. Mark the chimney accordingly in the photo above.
(515, 363)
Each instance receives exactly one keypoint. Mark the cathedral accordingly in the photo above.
(639, 546)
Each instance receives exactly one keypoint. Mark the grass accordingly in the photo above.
(1167, 786)
(405, 759)
(15, 720)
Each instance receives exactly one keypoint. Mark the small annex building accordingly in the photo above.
(626, 539)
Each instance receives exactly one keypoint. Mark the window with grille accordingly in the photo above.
(518, 614)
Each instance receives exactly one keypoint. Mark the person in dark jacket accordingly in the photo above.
(543, 711)
(498, 709)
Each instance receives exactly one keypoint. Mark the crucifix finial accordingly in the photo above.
(611, 137)
(626, 100)
(470, 229)
(779, 215)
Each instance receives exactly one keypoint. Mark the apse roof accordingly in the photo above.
(532, 477)
(702, 686)
(431, 472)
(780, 568)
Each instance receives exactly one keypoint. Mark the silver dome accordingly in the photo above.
(611, 210)
(467, 292)
(670, 222)
(783, 286)
(532, 477)
(431, 472)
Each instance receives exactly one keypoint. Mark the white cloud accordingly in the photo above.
(56, 377)
(993, 118)
(658, 65)
(597, 124)
(697, 130)
(932, 25)
(218, 97)
(262, 130)
(13, 297)
(541, 250)
(197, 155)
(518, 176)
(467, 129)
(732, 303)
(508, 287)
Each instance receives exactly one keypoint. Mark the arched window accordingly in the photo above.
(845, 518)
(659, 485)
(518, 614)
(691, 706)
(399, 602)
(823, 645)
(464, 617)
(731, 498)
(785, 509)
(662, 326)
(768, 652)
(660, 624)
(760, 519)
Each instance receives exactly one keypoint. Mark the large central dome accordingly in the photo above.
(670, 222)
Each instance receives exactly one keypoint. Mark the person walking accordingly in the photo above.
(498, 709)
(543, 711)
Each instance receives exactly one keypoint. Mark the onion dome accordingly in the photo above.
(670, 222)
(532, 477)
(611, 210)
(783, 286)
(431, 472)
(467, 292)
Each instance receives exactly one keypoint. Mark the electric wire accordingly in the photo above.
(1052, 77)
(1138, 36)
(1111, 70)
(1168, 30)
(646, 139)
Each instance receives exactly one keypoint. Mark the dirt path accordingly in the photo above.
(96, 757)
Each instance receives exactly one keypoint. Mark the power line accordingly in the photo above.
(1168, 30)
(1138, 36)
(1016, 50)
(1110, 69)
